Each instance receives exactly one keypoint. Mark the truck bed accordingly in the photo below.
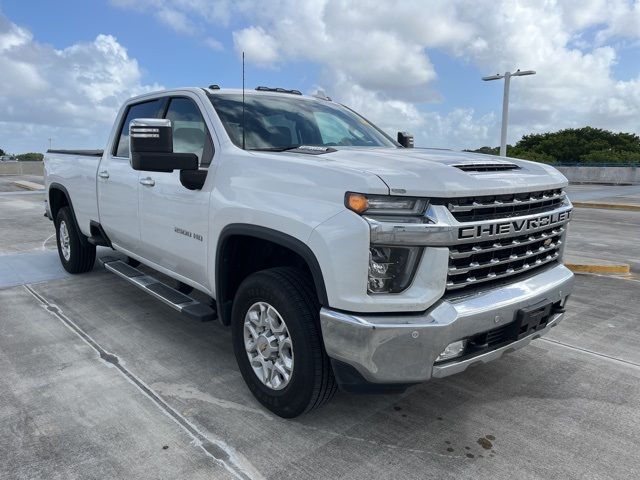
(76, 171)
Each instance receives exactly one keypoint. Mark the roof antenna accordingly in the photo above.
(243, 147)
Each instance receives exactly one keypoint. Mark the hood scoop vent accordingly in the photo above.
(486, 166)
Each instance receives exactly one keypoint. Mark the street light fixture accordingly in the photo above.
(505, 102)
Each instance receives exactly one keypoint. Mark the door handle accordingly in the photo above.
(149, 182)
(103, 174)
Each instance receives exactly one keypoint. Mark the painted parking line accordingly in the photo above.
(612, 269)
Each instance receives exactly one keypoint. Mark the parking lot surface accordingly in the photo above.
(100, 381)
(605, 193)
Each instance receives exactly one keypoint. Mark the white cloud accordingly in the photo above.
(176, 20)
(454, 129)
(574, 86)
(377, 56)
(178, 13)
(389, 114)
(383, 50)
(74, 92)
(214, 44)
(259, 47)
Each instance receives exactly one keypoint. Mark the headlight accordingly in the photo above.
(391, 268)
(384, 204)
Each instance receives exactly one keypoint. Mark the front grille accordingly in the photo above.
(472, 209)
(477, 263)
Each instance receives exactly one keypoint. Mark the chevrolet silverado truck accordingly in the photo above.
(338, 256)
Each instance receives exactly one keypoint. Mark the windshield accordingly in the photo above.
(279, 122)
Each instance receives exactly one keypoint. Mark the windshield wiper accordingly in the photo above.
(309, 149)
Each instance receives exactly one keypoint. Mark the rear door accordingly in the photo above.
(118, 182)
(174, 221)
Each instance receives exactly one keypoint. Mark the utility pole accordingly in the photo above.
(505, 103)
(49, 143)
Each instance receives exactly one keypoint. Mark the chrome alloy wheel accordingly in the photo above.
(268, 345)
(65, 245)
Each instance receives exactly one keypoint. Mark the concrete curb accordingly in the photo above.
(608, 206)
(619, 269)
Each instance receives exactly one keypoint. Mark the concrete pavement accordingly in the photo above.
(565, 407)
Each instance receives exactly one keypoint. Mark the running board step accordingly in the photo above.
(172, 297)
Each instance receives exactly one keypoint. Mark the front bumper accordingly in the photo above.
(402, 348)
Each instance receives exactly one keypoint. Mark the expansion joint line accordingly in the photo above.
(590, 352)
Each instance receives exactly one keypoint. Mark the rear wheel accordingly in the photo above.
(76, 255)
(278, 344)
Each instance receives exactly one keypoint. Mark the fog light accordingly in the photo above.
(453, 350)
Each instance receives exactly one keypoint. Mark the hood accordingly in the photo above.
(445, 173)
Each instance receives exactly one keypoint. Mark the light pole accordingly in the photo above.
(505, 103)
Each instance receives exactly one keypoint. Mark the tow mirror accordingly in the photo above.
(405, 139)
(151, 147)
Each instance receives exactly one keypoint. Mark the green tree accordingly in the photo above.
(2, 152)
(30, 157)
(611, 156)
(486, 150)
(576, 145)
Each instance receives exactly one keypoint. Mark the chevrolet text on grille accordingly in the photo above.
(512, 227)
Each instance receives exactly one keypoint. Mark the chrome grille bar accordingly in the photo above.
(454, 208)
(512, 258)
(455, 285)
(485, 261)
(502, 245)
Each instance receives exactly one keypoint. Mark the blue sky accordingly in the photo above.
(414, 66)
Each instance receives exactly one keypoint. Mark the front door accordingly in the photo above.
(174, 221)
(118, 183)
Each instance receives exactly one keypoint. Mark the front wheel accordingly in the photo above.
(278, 344)
(76, 256)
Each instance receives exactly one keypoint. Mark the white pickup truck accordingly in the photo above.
(338, 256)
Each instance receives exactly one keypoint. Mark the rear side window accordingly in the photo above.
(149, 109)
(190, 133)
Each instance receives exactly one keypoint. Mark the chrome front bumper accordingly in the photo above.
(401, 348)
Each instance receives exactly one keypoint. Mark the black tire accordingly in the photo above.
(291, 293)
(81, 254)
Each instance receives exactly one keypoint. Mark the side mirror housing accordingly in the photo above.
(405, 139)
(151, 147)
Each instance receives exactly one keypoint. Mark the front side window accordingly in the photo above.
(190, 133)
(279, 122)
(149, 109)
